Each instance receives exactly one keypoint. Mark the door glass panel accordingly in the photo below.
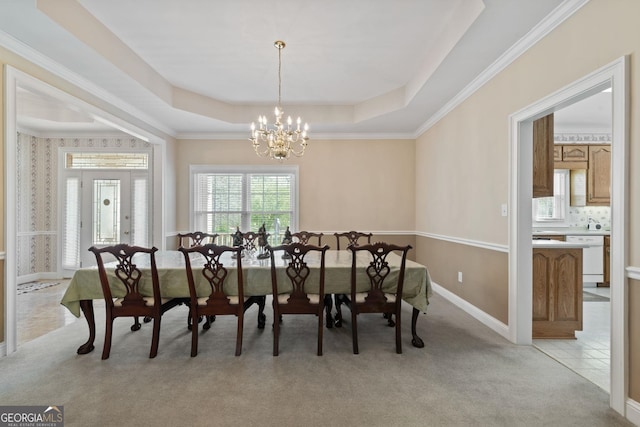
(106, 211)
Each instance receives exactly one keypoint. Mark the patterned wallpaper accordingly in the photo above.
(37, 198)
(36, 207)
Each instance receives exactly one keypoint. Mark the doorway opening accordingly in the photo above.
(582, 141)
(614, 75)
(82, 122)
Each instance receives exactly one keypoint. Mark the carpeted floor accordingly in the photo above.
(465, 376)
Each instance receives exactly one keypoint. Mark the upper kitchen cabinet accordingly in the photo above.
(575, 153)
(599, 175)
(543, 157)
(571, 157)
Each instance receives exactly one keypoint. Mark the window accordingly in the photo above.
(225, 199)
(554, 208)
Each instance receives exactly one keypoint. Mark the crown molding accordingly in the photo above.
(55, 68)
(571, 137)
(544, 27)
(217, 136)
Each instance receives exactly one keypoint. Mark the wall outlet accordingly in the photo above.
(460, 276)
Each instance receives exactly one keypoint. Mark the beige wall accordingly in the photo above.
(463, 174)
(366, 185)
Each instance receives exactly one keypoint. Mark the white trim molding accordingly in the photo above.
(467, 242)
(489, 321)
(616, 76)
(633, 273)
(560, 14)
(633, 411)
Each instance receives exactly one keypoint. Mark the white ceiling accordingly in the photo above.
(203, 68)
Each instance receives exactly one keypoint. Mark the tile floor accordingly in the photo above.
(39, 312)
(589, 354)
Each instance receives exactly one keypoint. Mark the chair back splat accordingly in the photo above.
(141, 289)
(197, 238)
(220, 292)
(352, 237)
(305, 237)
(382, 288)
(302, 290)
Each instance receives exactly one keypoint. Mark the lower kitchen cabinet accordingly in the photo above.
(557, 292)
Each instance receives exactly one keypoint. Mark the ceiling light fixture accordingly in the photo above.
(282, 139)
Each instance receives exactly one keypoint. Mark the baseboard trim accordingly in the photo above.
(489, 321)
(633, 411)
(3, 349)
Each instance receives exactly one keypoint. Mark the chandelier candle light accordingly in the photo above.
(281, 140)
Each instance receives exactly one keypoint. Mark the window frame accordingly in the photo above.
(245, 170)
(556, 221)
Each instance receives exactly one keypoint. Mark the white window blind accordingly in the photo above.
(140, 214)
(71, 227)
(223, 201)
(554, 208)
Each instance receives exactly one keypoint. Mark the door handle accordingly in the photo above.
(126, 233)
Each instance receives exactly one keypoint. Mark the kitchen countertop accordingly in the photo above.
(558, 244)
(569, 231)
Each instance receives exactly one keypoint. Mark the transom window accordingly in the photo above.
(225, 199)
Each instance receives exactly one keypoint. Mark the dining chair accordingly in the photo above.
(197, 238)
(375, 287)
(305, 237)
(303, 292)
(224, 292)
(250, 239)
(133, 281)
(352, 237)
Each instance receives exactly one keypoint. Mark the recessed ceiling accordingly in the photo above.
(207, 68)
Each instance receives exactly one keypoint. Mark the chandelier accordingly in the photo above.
(282, 139)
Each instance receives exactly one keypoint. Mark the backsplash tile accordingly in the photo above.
(579, 216)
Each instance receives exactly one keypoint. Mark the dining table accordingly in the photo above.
(85, 286)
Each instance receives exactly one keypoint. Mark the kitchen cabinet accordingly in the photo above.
(607, 262)
(596, 161)
(543, 154)
(575, 153)
(599, 175)
(557, 292)
(571, 156)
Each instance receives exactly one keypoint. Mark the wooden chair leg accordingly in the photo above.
(276, 333)
(398, 334)
(194, 335)
(106, 349)
(239, 334)
(155, 340)
(320, 330)
(328, 306)
(354, 330)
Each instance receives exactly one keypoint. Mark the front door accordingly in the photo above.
(106, 211)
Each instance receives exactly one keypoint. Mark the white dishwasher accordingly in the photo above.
(592, 259)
